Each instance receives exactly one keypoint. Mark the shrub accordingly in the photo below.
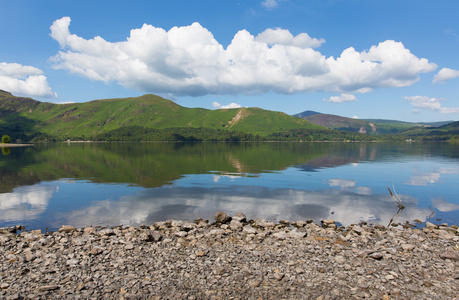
(6, 139)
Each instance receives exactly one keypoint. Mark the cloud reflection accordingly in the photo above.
(423, 179)
(444, 206)
(154, 205)
(25, 203)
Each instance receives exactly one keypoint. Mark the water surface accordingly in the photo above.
(107, 184)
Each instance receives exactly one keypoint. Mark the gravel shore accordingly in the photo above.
(232, 258)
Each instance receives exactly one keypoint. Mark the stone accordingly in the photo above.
(156, 235)
(450, 255)
(217, 231)
(340, 259)
(407, 247)
(107, 232)
(357, 229)
(297, 234)
(236, 225)
(96, 251)
(181, 234)
(48, 287)
(222, 217)
(376, 255)
(67, 228)
(240, 217)
(326, 223)
(249, 229)
(431, 225)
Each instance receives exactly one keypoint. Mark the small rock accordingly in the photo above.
(236, 225)
(278, 275)
(359, 230)
(222, 217)
(431, 225)
(240, 217)
(407, 247)
(48, 288)
(450, 255)
(181, 234)
(249, 229)
(340, 259)
(96, 251)
(67, 228)
(106, 232)
(156, 235)
(376, 255)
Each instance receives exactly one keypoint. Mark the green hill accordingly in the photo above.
(27, 119)
(448, 132)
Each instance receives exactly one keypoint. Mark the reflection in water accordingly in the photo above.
(25, 203)
(6, 150)
(425, 178)
(444, 206)
(150, 206)
(131, 184)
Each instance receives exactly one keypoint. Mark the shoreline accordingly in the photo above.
(232, 258)
(2, 145)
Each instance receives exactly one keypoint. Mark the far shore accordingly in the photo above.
(15, 145)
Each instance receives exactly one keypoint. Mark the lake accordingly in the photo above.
(108, 184)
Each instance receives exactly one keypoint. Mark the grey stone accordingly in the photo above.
(450, 255)
(236, 225)
(222, 217)
(67, 228)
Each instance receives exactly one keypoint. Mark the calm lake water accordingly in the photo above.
(108, 184)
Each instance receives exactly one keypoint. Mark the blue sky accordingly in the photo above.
(355, 58)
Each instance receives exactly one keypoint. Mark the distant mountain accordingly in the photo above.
(306, 113)
(367, 126)
(395, 122)
(25, 117)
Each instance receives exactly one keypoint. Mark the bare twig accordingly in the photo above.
(396, 197)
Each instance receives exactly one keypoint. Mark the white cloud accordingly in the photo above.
(355, 117)
(444, 75)
(189, 61)
(431, 104)
(341, 98)
(217, 105)
(269, 3)
(24, 81)
(284, 37)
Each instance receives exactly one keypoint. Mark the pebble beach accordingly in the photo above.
(231, 258)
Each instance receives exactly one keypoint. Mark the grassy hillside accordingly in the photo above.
(25, 118)
(448, 132)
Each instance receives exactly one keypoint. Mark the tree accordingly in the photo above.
(6, 139)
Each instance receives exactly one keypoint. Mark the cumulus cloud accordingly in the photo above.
(341, 98)
(24, 81)
(189, 61)
(445, 74)
(430, 104)
(284, 37)
(217, 105)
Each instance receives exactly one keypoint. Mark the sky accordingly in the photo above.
(365, 59)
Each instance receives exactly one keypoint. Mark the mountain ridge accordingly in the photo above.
(82, 120)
